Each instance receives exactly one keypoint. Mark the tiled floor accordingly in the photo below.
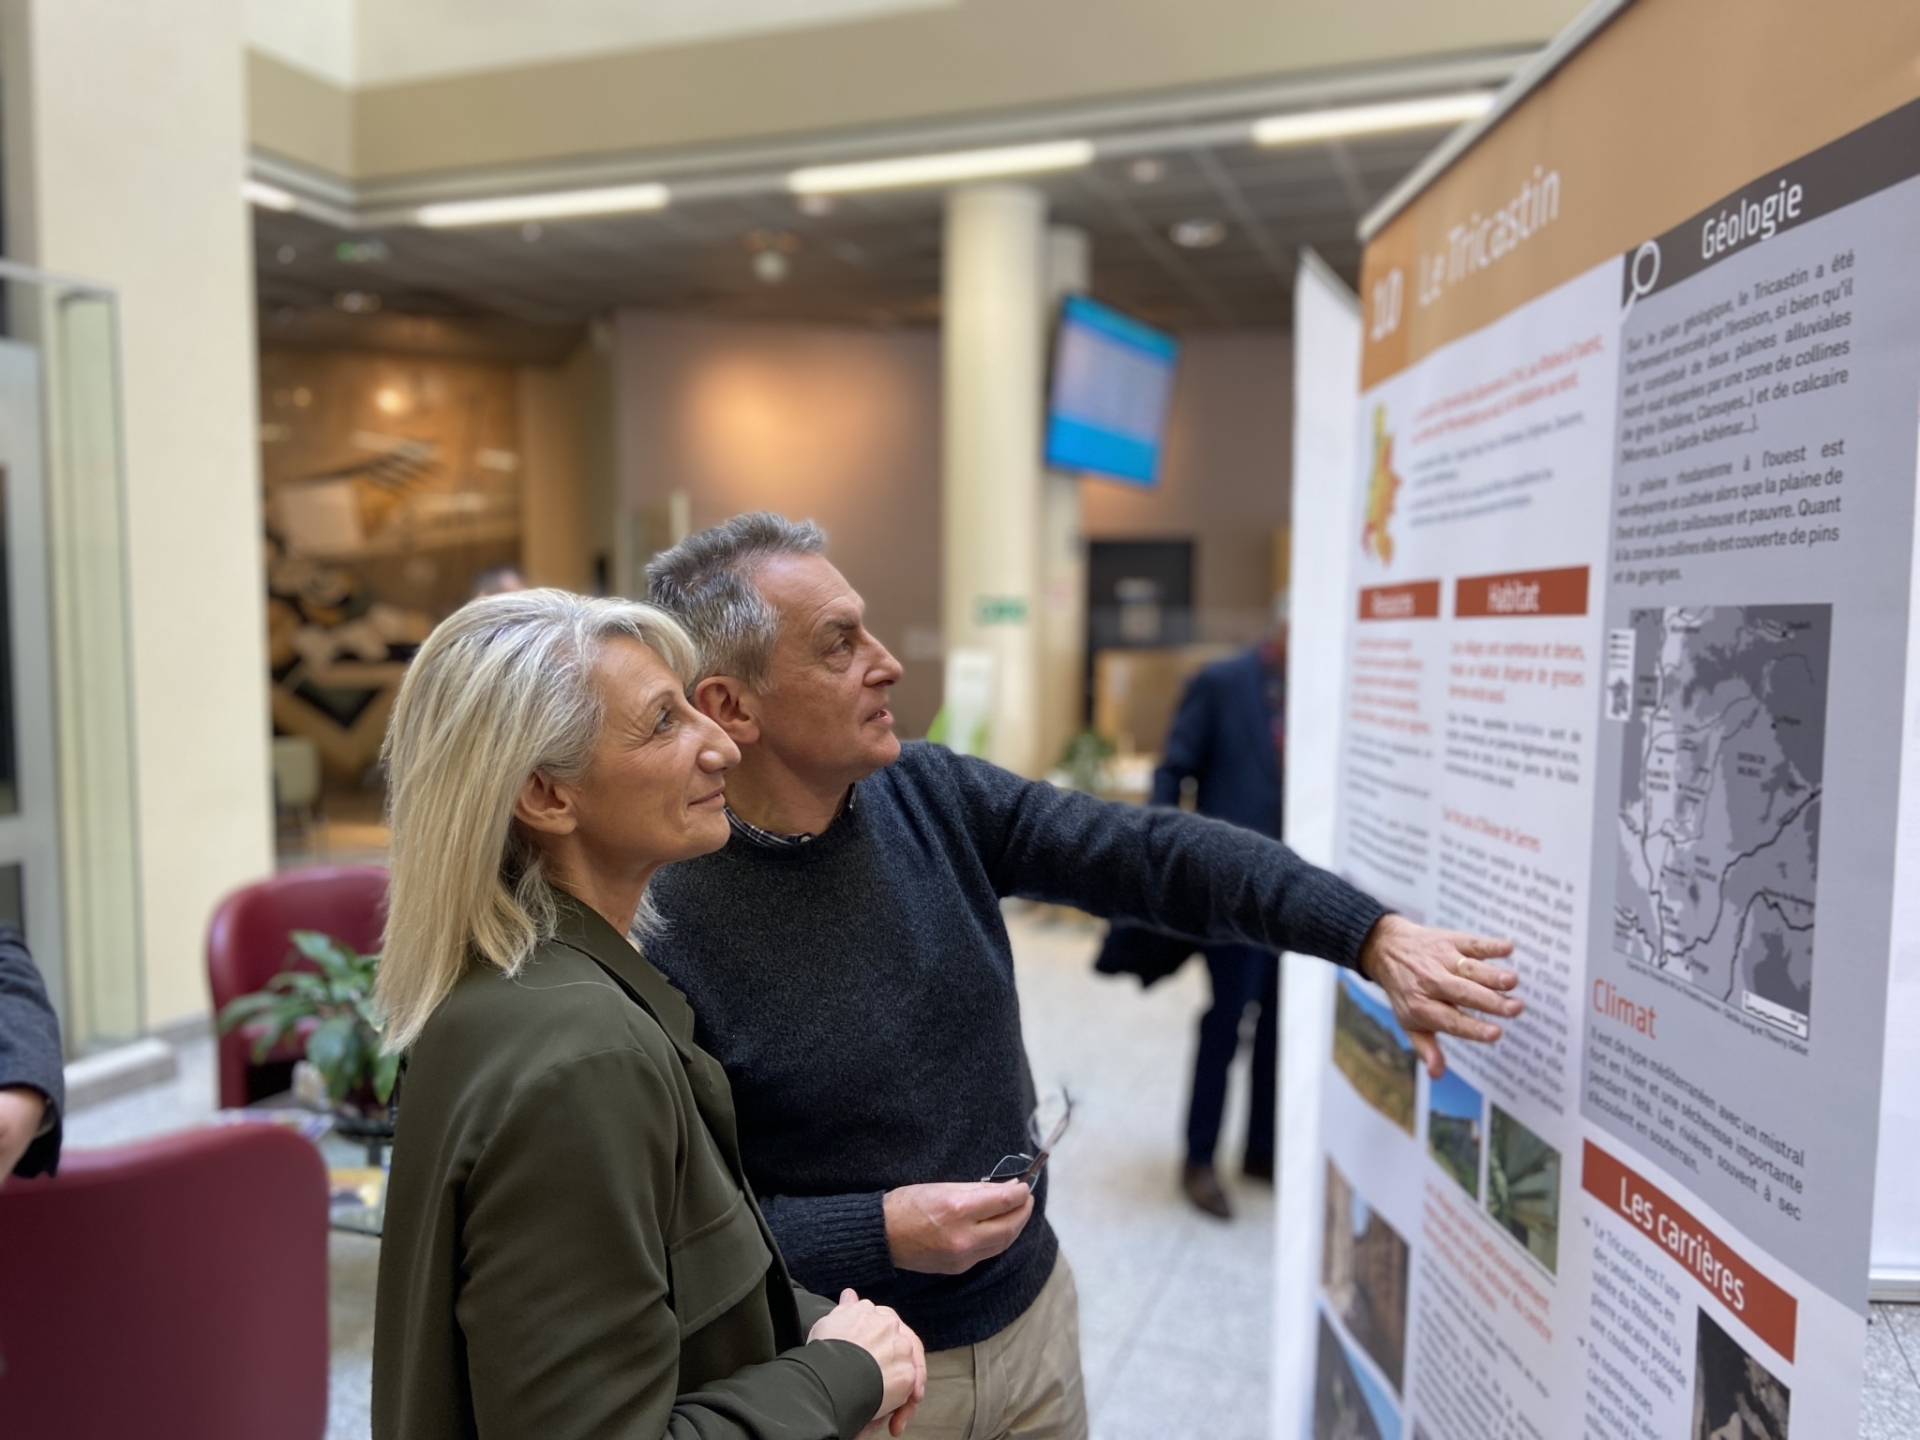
(1175, 1307)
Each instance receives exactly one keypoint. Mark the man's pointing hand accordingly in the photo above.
(1434, 977)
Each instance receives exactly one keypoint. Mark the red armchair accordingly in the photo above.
(248, 944)
(175, 1289)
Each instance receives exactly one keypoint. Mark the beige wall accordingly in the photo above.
(126, 150)
(1225, 479)
(843, 426)
(299, 116)
(956, 60)
(567, 451)
(836, 425)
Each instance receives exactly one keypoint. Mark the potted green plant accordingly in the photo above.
(1084, 762)
(332, 1004)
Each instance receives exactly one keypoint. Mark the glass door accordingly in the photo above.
(30, 893)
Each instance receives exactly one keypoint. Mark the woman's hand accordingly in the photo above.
(895, 1348)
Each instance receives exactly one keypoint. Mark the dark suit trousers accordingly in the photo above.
(1242, 976)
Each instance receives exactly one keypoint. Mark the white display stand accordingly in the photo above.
(1326, 370)
(1896, 1190)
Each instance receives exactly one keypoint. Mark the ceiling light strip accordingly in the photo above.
(943, 169)
(267, 197)
(554, 205)
(1308, 126)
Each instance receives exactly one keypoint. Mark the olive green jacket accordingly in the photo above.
(570, 1248)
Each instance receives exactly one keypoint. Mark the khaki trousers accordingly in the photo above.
(1022, 1384)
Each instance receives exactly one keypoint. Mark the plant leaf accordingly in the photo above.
(335, 961)
(386, 1069)
(238, 1011)
(334, 1049)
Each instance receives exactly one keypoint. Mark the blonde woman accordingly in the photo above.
(570, 1248)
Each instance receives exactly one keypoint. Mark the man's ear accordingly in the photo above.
(731, 706)
(545, 806)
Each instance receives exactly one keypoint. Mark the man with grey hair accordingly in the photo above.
(847, 961)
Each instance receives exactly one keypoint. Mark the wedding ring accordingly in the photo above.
(1460, 966)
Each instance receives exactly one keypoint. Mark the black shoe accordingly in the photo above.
(1203, 1189)
(1258, 1167)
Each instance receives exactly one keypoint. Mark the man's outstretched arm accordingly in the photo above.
(1213, 881)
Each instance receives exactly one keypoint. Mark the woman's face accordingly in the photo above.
(654, 791)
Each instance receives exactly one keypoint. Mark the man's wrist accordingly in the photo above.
(1366, 947)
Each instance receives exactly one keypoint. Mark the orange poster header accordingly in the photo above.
(1766, 1309)
(1415, 600)
(1631, 135)
(1524, 592)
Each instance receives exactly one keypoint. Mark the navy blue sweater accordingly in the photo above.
(859, 990)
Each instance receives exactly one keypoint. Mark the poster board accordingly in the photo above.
(1326, 337)
(1627, 681)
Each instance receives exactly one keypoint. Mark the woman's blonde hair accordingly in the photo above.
(503, 687)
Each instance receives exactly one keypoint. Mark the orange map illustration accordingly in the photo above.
(1383, 487)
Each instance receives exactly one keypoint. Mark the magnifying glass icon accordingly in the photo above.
(1643, 273)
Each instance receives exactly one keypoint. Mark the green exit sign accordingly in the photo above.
(1000, 610)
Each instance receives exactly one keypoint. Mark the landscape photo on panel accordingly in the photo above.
(1454, 1135)
(1723, 720)
(1364, 1270)
(1523, 1187)
(1373, 1052)
(1735, 1397)
(1348, 1403)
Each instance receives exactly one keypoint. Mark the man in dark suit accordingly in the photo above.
(1228, 738)
(32, 1089)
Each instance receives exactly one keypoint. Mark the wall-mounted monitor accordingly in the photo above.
(1107, 403)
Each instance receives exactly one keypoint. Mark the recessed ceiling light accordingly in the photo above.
(267, 197)
(553, 205)
(531, 231)
(943, 169)
(356, 302)
(1199, 233)
(1147, 170)
(771, 266)
(816, 205)
(286, 254)
(1427, 114)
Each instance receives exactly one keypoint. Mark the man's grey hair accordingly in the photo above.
(706, 581)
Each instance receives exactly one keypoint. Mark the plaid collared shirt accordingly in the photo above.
(753, 834)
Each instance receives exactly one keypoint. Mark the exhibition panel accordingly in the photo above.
(1627, 681)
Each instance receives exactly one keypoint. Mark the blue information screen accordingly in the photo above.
(1112, 380)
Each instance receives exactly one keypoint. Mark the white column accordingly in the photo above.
(993, 343)
(126, 147)
(1063, 551)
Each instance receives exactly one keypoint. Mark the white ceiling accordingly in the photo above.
(383, 42)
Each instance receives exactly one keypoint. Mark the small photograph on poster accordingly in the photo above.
(1348, 1403)
(1722, 757)
(1735, 1397)
(1523, 1187)
(1373, 1052)
(1363, 1269)
(1455, 1129)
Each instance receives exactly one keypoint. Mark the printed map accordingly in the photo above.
(1721, 762)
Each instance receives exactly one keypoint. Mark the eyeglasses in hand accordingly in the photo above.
(1044, 1128)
